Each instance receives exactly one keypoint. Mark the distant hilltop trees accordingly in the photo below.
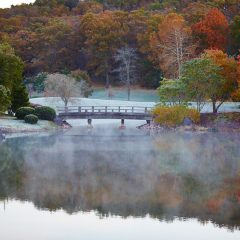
(55, 35)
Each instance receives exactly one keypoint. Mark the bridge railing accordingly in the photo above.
(104, 109)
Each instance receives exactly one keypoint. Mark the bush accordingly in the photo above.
(31, 119)
(45, 113)
(24, 111)
(174, 116)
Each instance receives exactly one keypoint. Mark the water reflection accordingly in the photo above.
(169, 176)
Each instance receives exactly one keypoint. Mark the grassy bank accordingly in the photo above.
(12, 125)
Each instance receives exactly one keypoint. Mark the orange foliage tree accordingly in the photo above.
(229, 71)
(212, 30)
(236, 93)
(172, 45)
(103, 34)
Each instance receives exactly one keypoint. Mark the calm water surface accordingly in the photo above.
(112, 184)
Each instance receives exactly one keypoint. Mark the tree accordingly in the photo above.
(126, 57)
(172, 44)
(5, 100)
(19, 97)
(38, 82)
(212, 30)
(63, 86)
(203, 80)
(103, 36)
(229, 71)
(195, 11)
(11, 76)
(82, 76)
(235, 34)
(11, 67)
(71, 3)
(172, 92)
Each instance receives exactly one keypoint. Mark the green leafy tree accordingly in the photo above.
(202, 80)
(5, 100)
(11, 76)
(11, 67)
(172, 92)
(38, 83)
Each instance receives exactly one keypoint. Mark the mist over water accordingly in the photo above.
(128, 174)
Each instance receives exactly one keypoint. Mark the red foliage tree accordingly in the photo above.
(212, 30)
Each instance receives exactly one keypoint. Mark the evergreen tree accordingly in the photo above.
(19, 97)
(11, 76)
(4, 99)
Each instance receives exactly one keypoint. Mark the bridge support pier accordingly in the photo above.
(148, 122)
(122, 124)
(89, 123)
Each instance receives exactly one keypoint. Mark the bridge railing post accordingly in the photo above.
(79, 109)
(93, 109)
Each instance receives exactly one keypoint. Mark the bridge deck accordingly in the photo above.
(105, 112)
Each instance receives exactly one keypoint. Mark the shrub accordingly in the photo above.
(174, 116)
(45, 113)
(24, 111)
(31, 119)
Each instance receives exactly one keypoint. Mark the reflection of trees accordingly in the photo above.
(187, 178)
(10, 171)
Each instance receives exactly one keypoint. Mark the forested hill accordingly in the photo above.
(68, 35)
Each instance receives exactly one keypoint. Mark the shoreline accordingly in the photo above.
(209, 122)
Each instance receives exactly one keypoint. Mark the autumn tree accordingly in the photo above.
(63, 86)
(195, 12)
(235, 34)
(212, 30)
(229, 71)
(55, 44)
(126, 57)
(103, 36)
(172, 45)
(212, 77)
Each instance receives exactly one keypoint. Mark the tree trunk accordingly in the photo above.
(107, 80)
(128, 82)
(215, 109)
(129, 90)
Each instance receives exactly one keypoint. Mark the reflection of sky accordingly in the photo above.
(8, 3)
(31, 223)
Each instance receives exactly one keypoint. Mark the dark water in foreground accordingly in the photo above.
(120, 185)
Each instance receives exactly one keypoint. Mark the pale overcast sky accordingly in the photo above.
(8, 3)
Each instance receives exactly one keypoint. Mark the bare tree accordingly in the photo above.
(63, 86)
(173, 45)
(127, 58)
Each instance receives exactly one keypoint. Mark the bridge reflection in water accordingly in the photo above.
(105, 112)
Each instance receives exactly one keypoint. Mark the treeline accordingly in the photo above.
(69, 35)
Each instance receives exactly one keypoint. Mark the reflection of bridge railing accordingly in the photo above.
(105, 112)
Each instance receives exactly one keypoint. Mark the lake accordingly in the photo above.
(107, 183)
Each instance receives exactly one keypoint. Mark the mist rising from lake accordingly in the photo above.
(129, 173)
